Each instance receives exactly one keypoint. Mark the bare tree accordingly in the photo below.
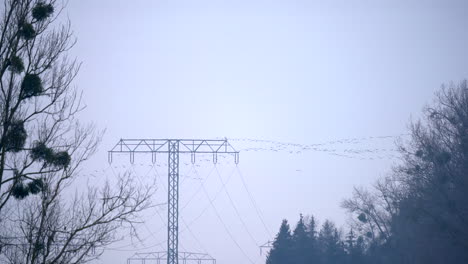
(371, 212)
(419, 214)
(38, 103)
(436, 164)
(43, 147)
(75, 230)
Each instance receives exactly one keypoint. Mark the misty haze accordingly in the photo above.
(233, 132)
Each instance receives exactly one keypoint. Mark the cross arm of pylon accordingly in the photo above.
(187, 146)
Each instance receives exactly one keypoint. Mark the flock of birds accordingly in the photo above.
(363, 148)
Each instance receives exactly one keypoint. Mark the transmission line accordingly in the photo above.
(151, 234)
(199, 188)
(212, 200)
(193, 235)
(226, 228)
(126, 250)
(235, 208)
(252, 200)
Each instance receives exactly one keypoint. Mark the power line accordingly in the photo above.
(198, 190)
(157, 212)
(193, 235)
(225, 226)
(151, 234)
(252, 200)
(126, 250)
(235, 208)
(212, 200)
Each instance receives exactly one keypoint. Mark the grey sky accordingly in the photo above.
(294, 71)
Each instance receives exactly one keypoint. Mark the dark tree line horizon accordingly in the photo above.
(418, 213)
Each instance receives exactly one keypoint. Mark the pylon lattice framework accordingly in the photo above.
(158, 257)
(173, 147)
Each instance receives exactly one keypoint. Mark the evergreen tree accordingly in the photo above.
(312, 228)
(355, 248)
(281, 251)
(312, 244)
(300, 243)
(332, 250)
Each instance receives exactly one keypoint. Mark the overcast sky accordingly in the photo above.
(290, 71)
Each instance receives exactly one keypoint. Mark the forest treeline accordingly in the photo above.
(418, 213)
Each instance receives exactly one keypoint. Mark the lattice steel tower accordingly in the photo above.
(173, 147)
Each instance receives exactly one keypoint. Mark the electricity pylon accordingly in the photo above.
(267, 245)
(173, 147)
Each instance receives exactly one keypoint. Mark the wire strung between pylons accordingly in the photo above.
(151, 234)
(159, 214)
(212, 200)
(199, 187)
(164, 226)
(231, 201)
(194, 236)
(154, 236)
(122, 248)
(133, 249)
(211, 203)
(252, 200)
(224, 224)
